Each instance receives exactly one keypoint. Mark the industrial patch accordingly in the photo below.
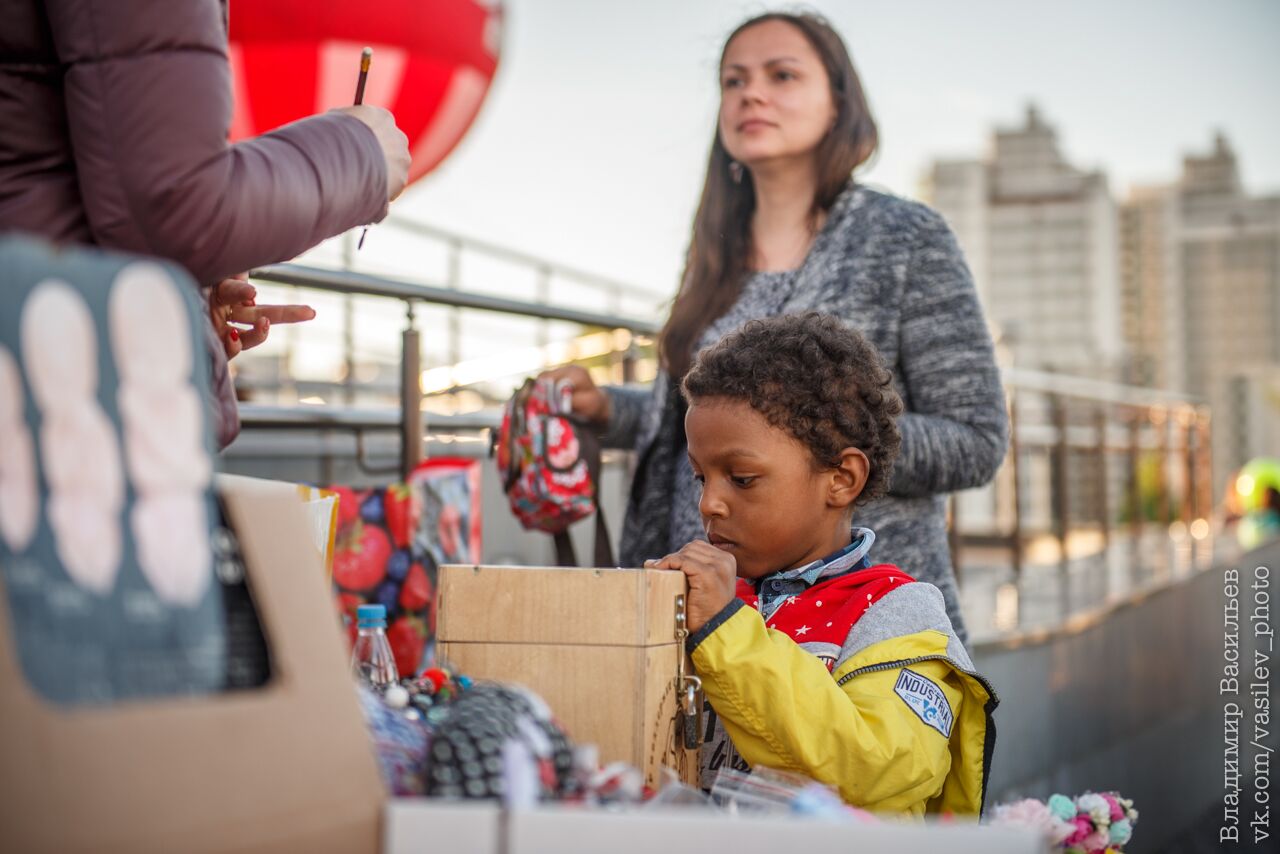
(925, 699)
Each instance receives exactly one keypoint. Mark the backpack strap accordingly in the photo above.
(604, 550)
(565, 554)
(589, 444)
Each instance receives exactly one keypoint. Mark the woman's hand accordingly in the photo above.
(712, 575)
(589, 403)
(240, 322)
(392, 141)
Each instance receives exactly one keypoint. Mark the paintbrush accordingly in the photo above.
(366, 57)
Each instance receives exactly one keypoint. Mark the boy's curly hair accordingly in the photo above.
(814, 377)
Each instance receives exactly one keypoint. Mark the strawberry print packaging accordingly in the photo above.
(378, 560)
(448, 491)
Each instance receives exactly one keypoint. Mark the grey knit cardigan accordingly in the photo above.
(890, 268)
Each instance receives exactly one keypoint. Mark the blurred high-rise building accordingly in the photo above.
(1200, 279)
(1040, 237)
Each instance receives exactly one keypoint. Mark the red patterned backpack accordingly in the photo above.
(550, 466)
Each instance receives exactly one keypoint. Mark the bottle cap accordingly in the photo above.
(371, 615)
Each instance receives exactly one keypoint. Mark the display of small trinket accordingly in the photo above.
(422, 697)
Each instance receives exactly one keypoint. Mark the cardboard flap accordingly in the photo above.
(558, 605)
(284, 768)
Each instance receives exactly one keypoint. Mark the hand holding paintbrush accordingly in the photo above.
(395, 145)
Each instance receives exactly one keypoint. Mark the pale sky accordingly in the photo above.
(590, 147)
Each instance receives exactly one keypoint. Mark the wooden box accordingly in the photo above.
(599, 645)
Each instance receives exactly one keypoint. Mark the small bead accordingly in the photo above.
(396, 697)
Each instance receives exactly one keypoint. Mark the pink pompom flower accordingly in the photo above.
(1035, 815)
(1083, 827)
(1096, 841)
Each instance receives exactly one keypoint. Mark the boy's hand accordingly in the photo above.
(712, 575)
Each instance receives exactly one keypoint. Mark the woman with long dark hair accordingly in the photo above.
(782, 227)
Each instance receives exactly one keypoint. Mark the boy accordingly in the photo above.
(812, 658)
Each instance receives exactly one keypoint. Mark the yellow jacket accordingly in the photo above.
(874, 726)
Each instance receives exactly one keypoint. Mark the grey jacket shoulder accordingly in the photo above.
(893, 209)
(877, 213)
(864, 258)
(905, 610)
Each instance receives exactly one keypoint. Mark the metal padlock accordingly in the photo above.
(691, 713)
(688, 688)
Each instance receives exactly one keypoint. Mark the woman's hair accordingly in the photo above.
(719, 251)
(815, 378)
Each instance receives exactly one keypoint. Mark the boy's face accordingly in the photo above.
(763, 500)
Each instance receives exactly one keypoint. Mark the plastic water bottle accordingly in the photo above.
(371, 659)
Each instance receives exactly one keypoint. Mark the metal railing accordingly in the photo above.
(1094, 421)
(461, 246)
(347, 282)
(410, 422)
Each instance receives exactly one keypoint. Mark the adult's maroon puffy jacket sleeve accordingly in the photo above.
(148, 92)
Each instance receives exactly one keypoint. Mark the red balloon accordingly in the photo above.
(433, 61)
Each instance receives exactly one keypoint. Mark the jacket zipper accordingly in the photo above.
(908, 661)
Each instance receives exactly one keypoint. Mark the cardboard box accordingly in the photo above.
(599, 645)
(285, 768)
